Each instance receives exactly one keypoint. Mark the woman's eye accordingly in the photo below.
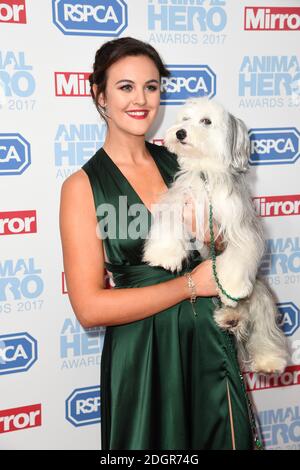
(126, 87)
(152, 87)
(206, 121)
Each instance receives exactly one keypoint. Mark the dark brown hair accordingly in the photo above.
(110, 52)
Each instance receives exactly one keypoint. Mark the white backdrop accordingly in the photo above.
(248, 59)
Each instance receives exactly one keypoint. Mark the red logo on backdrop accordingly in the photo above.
(277, 206)
(272, 19)
(291, 376)
(17, 419)
(72, 84)
(17, 222)
(13, 11)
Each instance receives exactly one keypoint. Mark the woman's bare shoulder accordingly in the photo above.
(77, 178)
(77, 186)
(76, 191)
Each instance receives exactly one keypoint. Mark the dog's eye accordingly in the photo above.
(185, 118)
(206, 121)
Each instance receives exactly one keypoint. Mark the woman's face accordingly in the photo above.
(132, 95)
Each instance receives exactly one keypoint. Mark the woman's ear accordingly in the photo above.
(101, 99)
(94, 88)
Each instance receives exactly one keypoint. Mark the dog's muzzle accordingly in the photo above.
(181, 135)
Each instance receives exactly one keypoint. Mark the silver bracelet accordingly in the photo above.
(192, 288)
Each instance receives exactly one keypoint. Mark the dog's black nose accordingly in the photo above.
(181, 134)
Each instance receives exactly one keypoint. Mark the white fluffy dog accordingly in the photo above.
(212, 148)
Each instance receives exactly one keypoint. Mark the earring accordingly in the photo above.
(104, 110)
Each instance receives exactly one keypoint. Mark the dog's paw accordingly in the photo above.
(228, 318)
(226, 301)
(245, 290)
(240, 291)
(170, 265)
(268, 365)
(168, 256)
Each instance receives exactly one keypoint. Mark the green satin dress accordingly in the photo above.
(170, 381)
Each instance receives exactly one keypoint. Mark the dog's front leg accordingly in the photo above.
(165, 245)
(233, 274)
(237, 266)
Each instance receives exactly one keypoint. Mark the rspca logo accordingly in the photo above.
(187, 81)
(90, 17)
(18, 353)
(20, 279)
(14, 154)
(274, 146)
(16, 78)
(76, 143)
(289, 317)
(80, 347)
(83, 406)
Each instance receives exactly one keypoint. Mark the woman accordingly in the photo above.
(169, 378)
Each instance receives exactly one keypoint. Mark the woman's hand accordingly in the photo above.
(203, 278)
(219, 242)
(218, 239)
(189, 221)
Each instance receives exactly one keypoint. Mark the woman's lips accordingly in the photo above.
(137, 114)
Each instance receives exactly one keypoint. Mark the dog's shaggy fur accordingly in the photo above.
(212, 148)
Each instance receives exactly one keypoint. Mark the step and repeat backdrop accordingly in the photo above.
(244, 54)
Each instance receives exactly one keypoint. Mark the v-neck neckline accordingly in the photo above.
(129, 185)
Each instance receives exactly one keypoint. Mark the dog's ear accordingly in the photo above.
(238, 145)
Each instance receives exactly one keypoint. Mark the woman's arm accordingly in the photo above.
(83, 258)
(203, 232)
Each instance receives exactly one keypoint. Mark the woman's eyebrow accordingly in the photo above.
(131, 81)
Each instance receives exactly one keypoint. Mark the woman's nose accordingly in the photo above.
(140, 97)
